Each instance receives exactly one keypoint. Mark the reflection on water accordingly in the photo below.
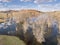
(8, 27)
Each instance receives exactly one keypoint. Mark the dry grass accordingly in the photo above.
(22, 14)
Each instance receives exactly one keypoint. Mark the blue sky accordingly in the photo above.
(41, 5)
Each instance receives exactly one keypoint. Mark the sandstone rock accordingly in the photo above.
(40, 29)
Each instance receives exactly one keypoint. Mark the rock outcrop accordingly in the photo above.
(39, 29)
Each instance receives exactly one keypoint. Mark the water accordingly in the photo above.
(9, 27)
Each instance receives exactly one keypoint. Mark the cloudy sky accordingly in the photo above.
(41, 5)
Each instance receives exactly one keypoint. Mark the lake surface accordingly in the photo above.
(8, 27)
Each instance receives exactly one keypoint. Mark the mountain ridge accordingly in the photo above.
(27, 13)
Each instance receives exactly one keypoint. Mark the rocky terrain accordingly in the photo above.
(45, 20)
(26, 13)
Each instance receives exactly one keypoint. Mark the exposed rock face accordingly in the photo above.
(40, 29)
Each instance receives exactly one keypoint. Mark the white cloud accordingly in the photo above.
(43, 1)
(5, 0)
(26, 0)
(10, 7)
(49, 7)
(39, 1)
(41, 7)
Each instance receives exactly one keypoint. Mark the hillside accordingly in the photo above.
(22, 14)
(56, 14)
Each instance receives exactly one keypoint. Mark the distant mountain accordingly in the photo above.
(56, 14)
(22, 14)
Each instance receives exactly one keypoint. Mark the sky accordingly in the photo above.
(41, 5)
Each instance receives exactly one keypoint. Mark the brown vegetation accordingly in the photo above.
(27, 13)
